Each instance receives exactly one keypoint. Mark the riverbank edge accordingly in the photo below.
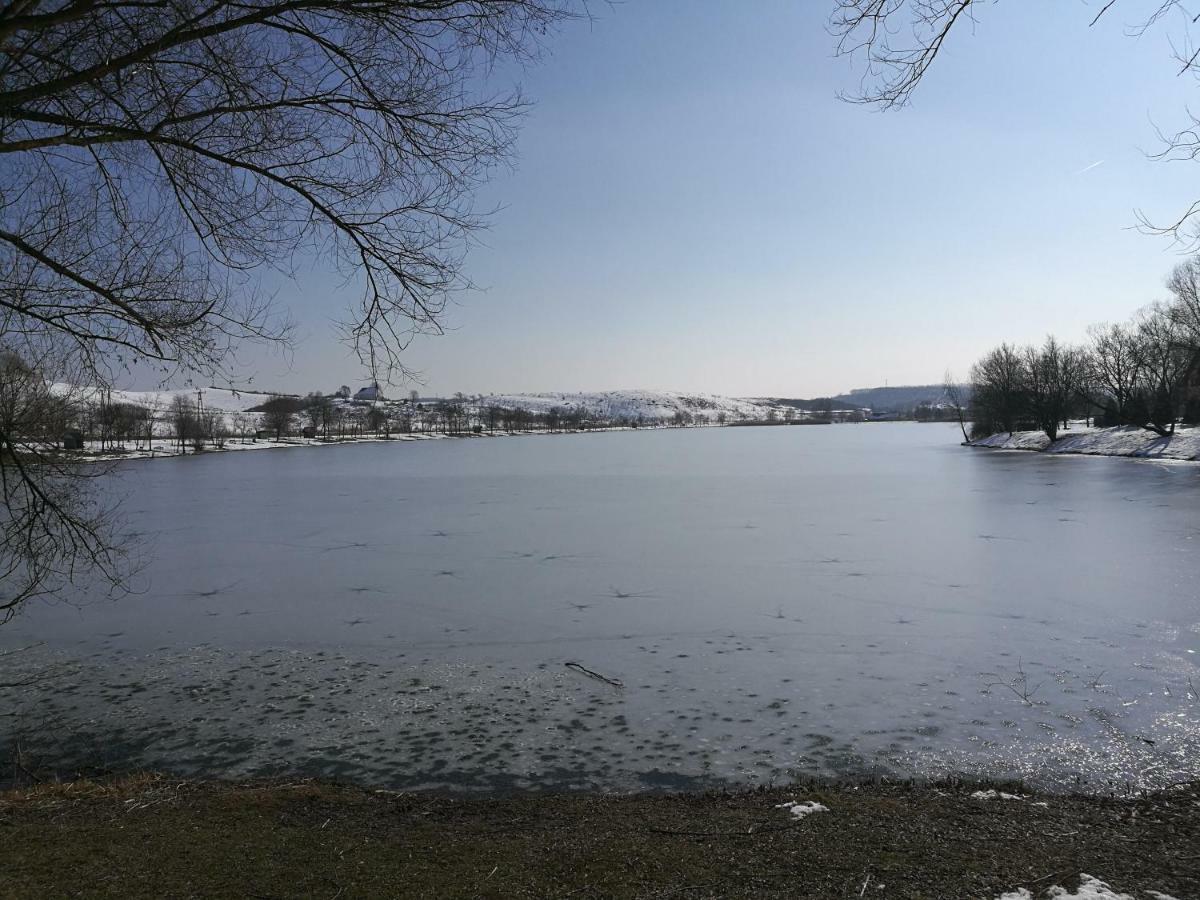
(158, 836)
(238, 445)
(1124, 441)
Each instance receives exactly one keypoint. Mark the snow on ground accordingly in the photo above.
(223, 399)
(648, 406)
(803, 808)
(1090, 888)
(995, 795)
(170, 447)
(1123, 441)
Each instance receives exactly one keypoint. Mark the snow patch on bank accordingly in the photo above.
(1090, 888)
(995, 795)
(1122, 441)
(803, 808)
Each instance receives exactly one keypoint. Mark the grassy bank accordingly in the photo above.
(158, 837)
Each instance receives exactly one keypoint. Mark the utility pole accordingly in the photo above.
(200, 414)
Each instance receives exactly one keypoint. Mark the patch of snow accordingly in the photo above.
(1090, 888)
(1014, 440)
(1128, 440)
(803, 808)
(995, 795)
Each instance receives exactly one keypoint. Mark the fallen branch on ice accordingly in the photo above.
(586, 671)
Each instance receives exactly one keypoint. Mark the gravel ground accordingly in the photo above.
(153, 836)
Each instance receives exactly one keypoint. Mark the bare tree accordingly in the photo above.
(279, 416)
(954, 396)
(997, 392)
(898, 41)
(157, 153)
(1116, 373)
(184, 421)
(1168, 360)
(1184, 285)
(1142, 372)
(492, 415)
(242, 425)
(377, 419)
(159, 156)
(318, 410)
(54, 523)
(1053, 378)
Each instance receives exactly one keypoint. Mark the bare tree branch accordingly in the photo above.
(161, 156)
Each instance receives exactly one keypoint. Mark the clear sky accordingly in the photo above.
(694, 210)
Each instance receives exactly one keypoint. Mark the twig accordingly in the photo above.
(1019, 684)
(586, 671)
(1052, 875)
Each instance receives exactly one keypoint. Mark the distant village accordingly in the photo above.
(192, 420)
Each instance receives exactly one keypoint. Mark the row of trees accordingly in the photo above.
(102, 422)
(317, 415)
(1144, 372)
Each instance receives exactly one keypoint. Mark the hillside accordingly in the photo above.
(646, 406)
(223, 399)
(649, 406)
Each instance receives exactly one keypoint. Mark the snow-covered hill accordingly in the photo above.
(649, 406)
(646, 406)
(222, 399)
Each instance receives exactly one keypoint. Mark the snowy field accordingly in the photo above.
(651, 406)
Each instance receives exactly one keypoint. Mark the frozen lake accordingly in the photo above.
(777, 602)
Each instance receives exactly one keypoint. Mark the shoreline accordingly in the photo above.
(238, 445)
(165, 448)
(1128, 441)
(154, 836)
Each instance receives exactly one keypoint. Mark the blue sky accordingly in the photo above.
(693, 209)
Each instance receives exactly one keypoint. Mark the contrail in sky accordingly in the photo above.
(1098, 162)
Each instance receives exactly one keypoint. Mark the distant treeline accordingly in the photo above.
(1144, 372)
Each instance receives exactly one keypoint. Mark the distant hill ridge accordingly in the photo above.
(880, 399)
